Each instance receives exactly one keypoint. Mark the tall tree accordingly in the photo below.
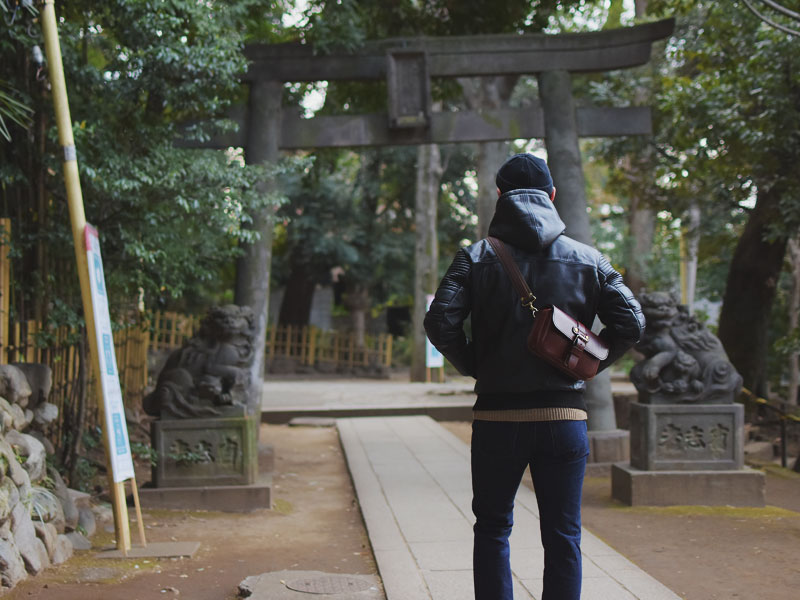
(734, 110)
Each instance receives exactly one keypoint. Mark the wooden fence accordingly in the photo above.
(307, 345)
(312, 346)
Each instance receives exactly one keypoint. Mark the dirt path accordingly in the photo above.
(316, 526)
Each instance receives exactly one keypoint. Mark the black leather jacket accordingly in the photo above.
(559, 271)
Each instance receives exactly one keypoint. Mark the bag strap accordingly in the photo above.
(518, 281)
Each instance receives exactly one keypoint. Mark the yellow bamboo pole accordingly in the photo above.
(388, 354)
(78, 221)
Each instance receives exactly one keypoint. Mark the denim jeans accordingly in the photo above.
(556, 452)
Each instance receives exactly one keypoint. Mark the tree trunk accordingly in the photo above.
(642, 223)
(750, 291)
(487, 93)
(253, 267)
(692, 233)
(794, 317)
(490, 156)
(426, 249)
(297, 297)
(357, 302)
(78, 411)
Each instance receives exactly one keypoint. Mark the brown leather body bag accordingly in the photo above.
(564, 342)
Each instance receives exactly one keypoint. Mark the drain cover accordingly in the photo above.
(328, 585)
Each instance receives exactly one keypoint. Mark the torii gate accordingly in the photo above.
(407, 64)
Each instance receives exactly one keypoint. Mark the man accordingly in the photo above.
(527, 412)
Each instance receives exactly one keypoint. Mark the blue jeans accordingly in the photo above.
(556, 452)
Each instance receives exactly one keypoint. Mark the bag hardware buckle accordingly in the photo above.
(528, 303)
(579, 334)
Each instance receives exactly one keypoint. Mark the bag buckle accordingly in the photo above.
(528, 303)
(579, 334)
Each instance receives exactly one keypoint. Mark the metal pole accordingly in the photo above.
(78, 221)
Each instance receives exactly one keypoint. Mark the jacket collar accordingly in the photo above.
(526, 219)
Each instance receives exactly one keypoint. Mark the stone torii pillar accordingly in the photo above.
(608, 444)
(253, 267)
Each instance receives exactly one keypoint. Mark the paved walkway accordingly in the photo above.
(284, 399)
(412, 478)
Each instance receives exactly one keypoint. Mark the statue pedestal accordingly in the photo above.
(209, 464)
(687, 454)
(634, 487)
(204, 452)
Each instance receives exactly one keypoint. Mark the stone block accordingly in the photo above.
(742, 487)
(205, 452)
(669, 437)
(226, 498)
(609, 446)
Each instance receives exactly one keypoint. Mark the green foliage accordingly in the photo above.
(140, 74)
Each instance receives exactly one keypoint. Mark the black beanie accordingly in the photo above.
(524, 171)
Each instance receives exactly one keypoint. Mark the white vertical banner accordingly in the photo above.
(433, 358)
(111, 393)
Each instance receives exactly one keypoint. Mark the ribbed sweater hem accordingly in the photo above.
(522, 415)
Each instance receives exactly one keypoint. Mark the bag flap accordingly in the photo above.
(564, 324)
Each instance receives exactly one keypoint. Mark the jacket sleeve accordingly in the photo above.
(448, 311)
(619, 311)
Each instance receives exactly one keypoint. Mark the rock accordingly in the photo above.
(6, 415)
(102, 514)
(63, 550)
(45, 414)
(48, 534)
(78, 540)
(21, 420)
(40, 380)
(5, 530)
(14, 385)
(46, 507)
(33, 451)
(12, 567)
(31, 548)
(61, 492)
(18, 475)
(9, 498)
(86, 521)
(81, 499)
(48, 445)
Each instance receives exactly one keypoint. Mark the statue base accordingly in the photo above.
(687, 437)
(199, 453)
(225, 498)
(634, 487)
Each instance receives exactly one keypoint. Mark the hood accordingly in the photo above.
(526, 219)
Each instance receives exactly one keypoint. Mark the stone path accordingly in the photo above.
(412, 479)
(284, 400)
